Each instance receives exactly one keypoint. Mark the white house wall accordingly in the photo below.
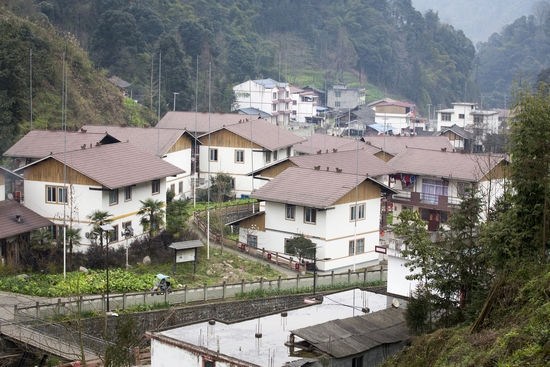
(181, 159)
(85, 201)
(397, 273)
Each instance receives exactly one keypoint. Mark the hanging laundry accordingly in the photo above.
(398, 176)
(407, 179)
(413, 178)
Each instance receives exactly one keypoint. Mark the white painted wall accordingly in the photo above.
(2, 192)
(397, 272)
(181, 159)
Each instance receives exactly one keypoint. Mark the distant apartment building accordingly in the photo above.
(342, 97)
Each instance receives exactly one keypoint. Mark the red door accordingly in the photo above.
(433, 221)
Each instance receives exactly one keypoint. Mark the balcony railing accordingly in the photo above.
(418, 198)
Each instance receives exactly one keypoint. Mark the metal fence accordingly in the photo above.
(97, 304)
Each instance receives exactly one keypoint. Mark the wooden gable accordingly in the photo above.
(256, 222)
(500, 171)
(51, 170)
(452, 136)
(384, 156)
(2, 179)
(276, 169)
(366, 190)
(184, 142)
(225, 138)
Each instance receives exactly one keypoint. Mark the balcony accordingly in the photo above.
(430, 201)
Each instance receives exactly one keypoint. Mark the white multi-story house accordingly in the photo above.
(66, 187)
(467, 116)
(339, 212)
(241, 148)
(303, 105)
(342, 97)
(402, 116)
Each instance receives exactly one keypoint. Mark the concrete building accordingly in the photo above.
(342, 97)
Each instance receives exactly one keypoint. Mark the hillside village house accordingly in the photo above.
(341, 96)
(241, 148)
(400, 115)
(459, 138)
(432, 183)
(110, 177)
(467, 116)
(338, 211)
(174, 146)
(281, 101)
(16, 221)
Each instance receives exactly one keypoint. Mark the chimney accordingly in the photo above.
(18, 218)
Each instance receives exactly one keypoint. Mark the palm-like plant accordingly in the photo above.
(74, 237)
(152, 215)
(99, 218)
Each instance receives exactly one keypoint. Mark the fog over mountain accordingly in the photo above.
(478, 19)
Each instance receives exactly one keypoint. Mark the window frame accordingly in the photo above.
(62, 191)
(292, 209)
(353, 212)
(311, 213)
(360, 249)
(180, 187)
(267, 156)
(113, 197)
(461, 116)
(155, 185)
(275, 155)
(445, 117)
(337, 104)
(213, 155)
(351, 247)
(253, 243)
(239, 156)
(49, 191)
(113, 235)
(128, 193)
(56, 194)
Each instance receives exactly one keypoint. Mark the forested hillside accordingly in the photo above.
(385, 43)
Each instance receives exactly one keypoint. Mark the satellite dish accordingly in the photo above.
(10, 196)
(395, 303)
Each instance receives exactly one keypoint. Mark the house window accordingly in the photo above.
(113, 235)
(233, 183)
(461, 116)
(275, 154)
(294, 103)
(360, 245)
(239, 156)
(351, 247)
(337, 104)
(113, 197)
(425, 214)
(61, 195)
(214, 155)
(290, 211)
(173, 188)
(443, 216)
(407, 207)
(287, 94)
(445, 117)
(56, 194)
(180, 187)
(357, 212)
(274, 95)
(128, 193)
(267, 157)
(478, 119)
(274, 107)
(294, 112)
(432, 189)
(357, 362)
(286, 106)
(252, 241)
(288, 151)
(310, 215)
(338, 94)
(51, 196)
(208, 363)
(155, 186)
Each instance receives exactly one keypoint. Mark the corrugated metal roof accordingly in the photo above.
(349, 161)
(186, 245)
(396, 144)
(153, 141)
(205, 121)
(265, 134)
(308, 187)
(324, 142)
(41, 143)
(448, 164)
(254, 111)
(9, 226)
(116, 165)
(269, 83)
(345, 337)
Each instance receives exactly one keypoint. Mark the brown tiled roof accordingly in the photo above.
(117, 165)
(153, 141)
(186, 120)
(396, 144)
(448, 164)
(308, 187)
(41, 143)
(323, 142)
(349, 161)
(9, 226)
(265, 134)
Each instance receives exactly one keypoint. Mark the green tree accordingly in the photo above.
(126, 337)
(301, 247)
(222, 187)
(97, 219)
(73, 237)
(178, 213)
(152, 215)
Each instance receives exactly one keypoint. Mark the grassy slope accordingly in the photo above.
(516, 333)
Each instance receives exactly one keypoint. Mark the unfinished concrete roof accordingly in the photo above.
(28, 220)
(308, 187)
(204, 121)
(448, 164)
(151, 140)
(396, 144)
(41, 143)
(115, 165)
(354, 335)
